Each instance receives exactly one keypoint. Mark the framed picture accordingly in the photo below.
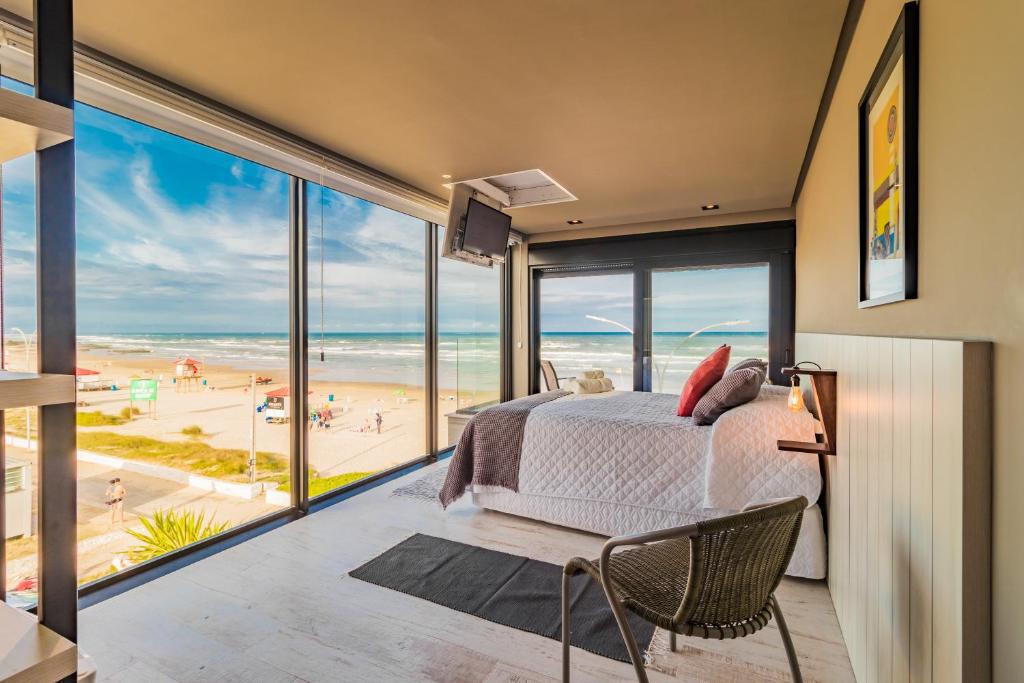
(888, 115)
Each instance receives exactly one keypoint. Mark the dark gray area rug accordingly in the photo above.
(506, 589)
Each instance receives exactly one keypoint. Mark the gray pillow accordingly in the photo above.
(755, 363)
(736, 388)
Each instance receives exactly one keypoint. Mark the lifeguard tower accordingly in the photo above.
(188, 373)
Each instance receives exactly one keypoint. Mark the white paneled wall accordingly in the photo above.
(910, 504)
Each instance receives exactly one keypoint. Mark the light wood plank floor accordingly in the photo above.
(282, 608)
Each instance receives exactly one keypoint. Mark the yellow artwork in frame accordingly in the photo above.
(888, 170)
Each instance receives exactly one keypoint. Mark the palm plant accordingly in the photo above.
(169, 530)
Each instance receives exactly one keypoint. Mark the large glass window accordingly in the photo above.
(182, 281)
(182, 361)
(367, 360)
(586, 323)
(17, 339)
(183, 326)
(695, 310)
(469, 356)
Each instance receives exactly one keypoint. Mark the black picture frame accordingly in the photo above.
(901, 188)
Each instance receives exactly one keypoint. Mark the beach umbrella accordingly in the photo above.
(81, 372)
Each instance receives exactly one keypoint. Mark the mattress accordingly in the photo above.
(625, 463)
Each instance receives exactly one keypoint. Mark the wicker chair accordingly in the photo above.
(713, 579)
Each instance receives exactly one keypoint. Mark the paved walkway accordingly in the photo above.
(100, 541)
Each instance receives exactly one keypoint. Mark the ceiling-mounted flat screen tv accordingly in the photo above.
(486, 231)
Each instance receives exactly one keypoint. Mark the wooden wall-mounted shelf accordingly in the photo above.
(26, 389)
(823, 384)
(28, 124)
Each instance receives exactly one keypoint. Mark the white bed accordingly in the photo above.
(623, 462)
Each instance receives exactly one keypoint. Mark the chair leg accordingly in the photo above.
(627, 635)
(672, 640)
(565, 626)
(794, 665)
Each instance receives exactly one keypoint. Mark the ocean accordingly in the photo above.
(466, 362)
(675, 354)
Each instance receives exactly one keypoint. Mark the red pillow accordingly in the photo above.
(704, 376)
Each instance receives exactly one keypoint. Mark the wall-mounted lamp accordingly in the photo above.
(823, 384)
(796, 395)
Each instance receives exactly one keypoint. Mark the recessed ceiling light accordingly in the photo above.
(446, 176)
(709, 207)
(574, 221)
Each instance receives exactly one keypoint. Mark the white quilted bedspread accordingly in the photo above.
(744, 464)
(630, 448)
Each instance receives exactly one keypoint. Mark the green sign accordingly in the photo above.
(142, 390)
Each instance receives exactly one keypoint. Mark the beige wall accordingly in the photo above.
(971, 282)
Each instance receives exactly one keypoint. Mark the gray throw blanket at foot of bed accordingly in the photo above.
(489, 449)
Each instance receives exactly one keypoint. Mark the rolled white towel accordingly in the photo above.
(593, 374)
(591, 386)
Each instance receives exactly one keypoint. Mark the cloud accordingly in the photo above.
(173, 236)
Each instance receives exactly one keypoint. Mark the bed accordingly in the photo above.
(623, 462)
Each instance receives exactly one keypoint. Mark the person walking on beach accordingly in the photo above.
(115, 494)
(379, 417)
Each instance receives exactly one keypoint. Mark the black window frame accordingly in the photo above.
(772, 243)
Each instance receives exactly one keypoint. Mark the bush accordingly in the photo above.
(97, 418)
(169, 530)
(318, 485)
(194, 431)
(128, 411)
(194, 456)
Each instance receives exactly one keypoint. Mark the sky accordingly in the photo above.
(682, 300)
(173, 236)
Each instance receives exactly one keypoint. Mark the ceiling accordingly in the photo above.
(645, 110)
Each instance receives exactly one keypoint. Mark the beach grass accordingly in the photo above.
(194, 431)
(129, 411)
(22, 546)
(14, 422)
(97, 575)
(98, 418)
(195, 457)
(318, 485)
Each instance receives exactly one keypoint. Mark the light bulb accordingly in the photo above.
(796, 396)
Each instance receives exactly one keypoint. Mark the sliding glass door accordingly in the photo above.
(648, 309)
(586, 323)
(697, 309)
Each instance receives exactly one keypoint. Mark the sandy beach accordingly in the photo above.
(222, 408)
